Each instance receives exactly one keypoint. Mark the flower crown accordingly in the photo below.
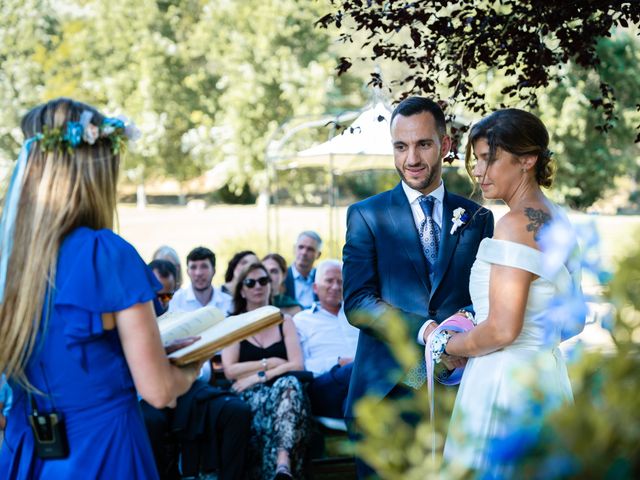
(115, 129)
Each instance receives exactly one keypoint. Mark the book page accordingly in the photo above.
(230, 330)
(174, 326)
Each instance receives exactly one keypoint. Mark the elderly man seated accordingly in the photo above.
(328, 342)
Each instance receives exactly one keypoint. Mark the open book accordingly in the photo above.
(215, 330)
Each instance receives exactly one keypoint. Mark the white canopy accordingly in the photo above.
(364, 145)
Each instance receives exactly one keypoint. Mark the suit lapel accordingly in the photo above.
(405, 227)
(448, 242)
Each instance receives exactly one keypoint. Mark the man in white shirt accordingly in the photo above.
(298, 283)
(328, 342)
(201, 267)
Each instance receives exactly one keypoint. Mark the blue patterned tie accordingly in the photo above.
(430, 239)
(429, 232)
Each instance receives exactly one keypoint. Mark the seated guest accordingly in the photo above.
(299, 280)
(328, 342)
(165, 272)
(212, 427)
(236, 265)
(201, 267)
(276, 265)
(165, 252)
(258, 367)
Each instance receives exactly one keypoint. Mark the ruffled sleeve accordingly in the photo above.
(517, 255)
(98, 272)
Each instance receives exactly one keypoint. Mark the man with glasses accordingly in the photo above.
(165, 272)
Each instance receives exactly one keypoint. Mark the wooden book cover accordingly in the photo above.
(215, 330)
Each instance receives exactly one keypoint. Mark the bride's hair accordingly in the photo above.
(517, 132)
(68, 183)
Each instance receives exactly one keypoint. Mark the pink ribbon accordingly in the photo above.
(458, 322)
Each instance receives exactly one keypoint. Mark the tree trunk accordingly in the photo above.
(141, 197)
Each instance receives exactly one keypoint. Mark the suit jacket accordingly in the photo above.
(385, 270)
(290, 284)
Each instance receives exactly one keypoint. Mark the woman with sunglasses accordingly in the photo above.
(236, 265)
(258, 367)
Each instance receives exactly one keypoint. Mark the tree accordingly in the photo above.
(207, 81)
(448, 42)
(24, 31)
(589, 162)
(274, 64)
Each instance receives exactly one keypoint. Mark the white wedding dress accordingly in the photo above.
(511, 389)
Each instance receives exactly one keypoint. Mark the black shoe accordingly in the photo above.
(283, 473)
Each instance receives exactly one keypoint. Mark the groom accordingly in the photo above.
(402, 254)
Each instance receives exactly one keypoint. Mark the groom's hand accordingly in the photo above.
(427, 331)
(451, 362)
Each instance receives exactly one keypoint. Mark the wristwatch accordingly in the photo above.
(262, 376)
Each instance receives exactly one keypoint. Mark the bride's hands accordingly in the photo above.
(451, 362)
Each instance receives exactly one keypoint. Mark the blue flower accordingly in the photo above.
(557, 466)
(565, 316)
(73, 135)
(110, 125)
(573, 352)
(557, 241)
(513, 446)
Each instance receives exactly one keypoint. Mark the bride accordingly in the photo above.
(515, 373)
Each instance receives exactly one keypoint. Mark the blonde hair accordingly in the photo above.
(63, 189)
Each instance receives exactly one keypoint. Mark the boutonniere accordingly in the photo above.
(460, 217)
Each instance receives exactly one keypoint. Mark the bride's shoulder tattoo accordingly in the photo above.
(538, 218)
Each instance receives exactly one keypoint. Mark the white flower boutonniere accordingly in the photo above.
(460, 217)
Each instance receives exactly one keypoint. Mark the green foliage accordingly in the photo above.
(393, 444)
(206, 81)
(587, 160)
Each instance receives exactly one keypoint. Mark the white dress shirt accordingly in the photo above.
(303, 286)
(324, 338)
(413, 197)
(184, 300)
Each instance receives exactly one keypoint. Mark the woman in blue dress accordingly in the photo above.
(78, 335)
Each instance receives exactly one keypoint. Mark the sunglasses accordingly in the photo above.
(165, 297)
(251, 282)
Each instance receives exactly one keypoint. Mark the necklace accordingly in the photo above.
(258, 342)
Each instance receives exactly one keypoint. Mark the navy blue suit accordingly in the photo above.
(385, 269)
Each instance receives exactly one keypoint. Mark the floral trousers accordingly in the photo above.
(280, 422)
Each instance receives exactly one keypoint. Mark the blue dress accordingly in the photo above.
(81, 368)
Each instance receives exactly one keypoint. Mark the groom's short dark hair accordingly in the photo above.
(414, 105)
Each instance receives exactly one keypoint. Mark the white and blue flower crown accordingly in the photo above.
(117, 130)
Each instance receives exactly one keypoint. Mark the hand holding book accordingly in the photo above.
(215, 331)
